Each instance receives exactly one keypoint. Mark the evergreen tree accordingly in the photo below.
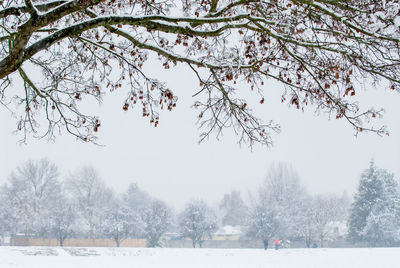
(375, 212)
(383, 223)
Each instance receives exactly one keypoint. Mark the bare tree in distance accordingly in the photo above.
(276, 207)
(64, 51)
(305, 227)
(233, 208)
(63, 218)
(329, 212)
(198, 222)
(91, 195)
(118, 222)
(264, 223)
(136, 199)
(10, 218)
(282, 188)
(31, 192)
(157, 220)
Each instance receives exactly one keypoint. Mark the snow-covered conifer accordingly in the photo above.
(375, 212)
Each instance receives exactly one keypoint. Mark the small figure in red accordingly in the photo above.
(276, 242)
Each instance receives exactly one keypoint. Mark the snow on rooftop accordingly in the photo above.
(229, 230)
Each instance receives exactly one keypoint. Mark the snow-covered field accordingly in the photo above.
(43, 257)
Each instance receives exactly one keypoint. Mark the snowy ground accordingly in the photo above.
(43, 257)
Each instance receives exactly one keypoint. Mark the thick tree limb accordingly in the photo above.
(316, 49)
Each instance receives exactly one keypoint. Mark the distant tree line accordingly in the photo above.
(35, 202)
(283, 209)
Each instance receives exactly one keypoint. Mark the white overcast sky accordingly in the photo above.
(168, 162)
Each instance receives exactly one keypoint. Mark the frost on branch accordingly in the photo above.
(67, 52)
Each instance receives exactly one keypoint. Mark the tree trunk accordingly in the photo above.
(61, 239)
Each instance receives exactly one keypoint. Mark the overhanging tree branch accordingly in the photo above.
(316, 49)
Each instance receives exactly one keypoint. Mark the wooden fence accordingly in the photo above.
(76, 242)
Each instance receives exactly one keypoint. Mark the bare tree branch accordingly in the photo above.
(318, 50)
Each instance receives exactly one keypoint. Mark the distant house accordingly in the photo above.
(338, 229)
(228, 232)
(4, 241)
(173, 236)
